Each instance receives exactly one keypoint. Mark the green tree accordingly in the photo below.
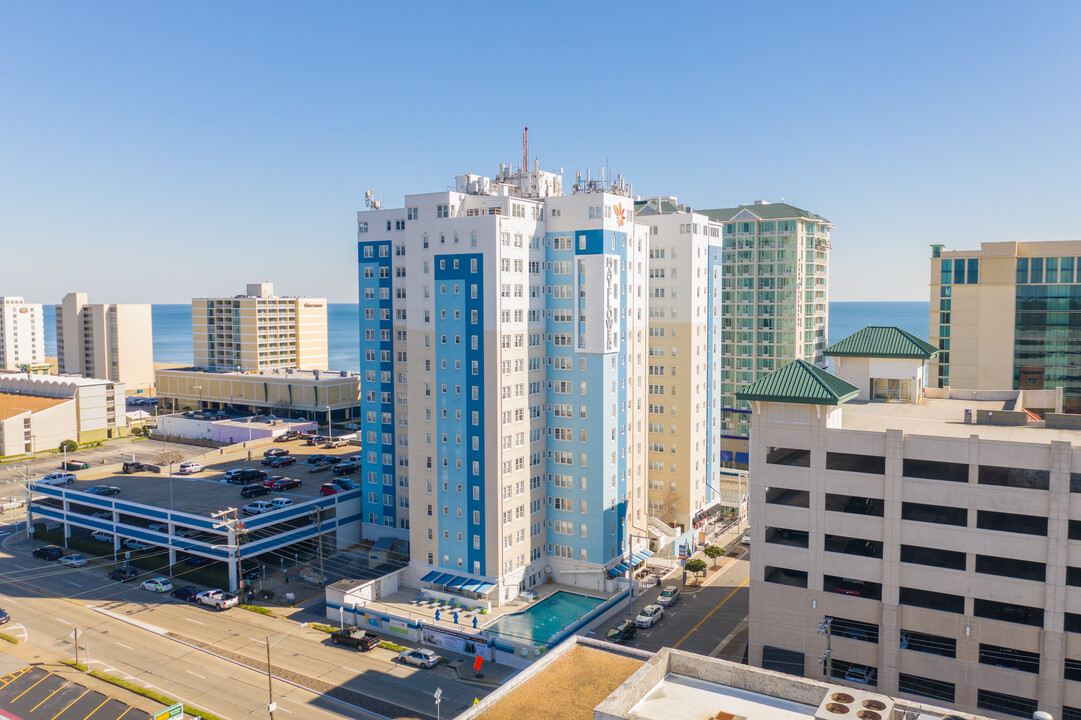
(696, 567)
(68, 446)
(713, 552)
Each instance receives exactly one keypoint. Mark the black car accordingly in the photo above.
(49, 552)
(4, 617)
(195, 560)
(275, 452)
(186, 593)
(133, 467)
(124, 573)
(622, 632)
(74, 465)
(250, 491)
(315, 459)
(287, 436)
(345, 483)
(103, 490)
(245, 477)
(344, 468)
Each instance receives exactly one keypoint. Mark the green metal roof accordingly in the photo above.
(799, 382)
(768, 211)
(881, 341)
(648, 207)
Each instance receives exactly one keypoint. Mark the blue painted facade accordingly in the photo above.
(377, 472)
(460, 421)
(713, 367)
(604, 492)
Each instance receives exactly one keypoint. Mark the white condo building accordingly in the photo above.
(112, 342)
(22, 334)
(503, 362)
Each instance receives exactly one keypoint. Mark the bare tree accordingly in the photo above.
(671, 502)
(169, 457)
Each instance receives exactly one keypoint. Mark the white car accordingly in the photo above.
(668, 596)
(190, 468)
(135, 545)
(257, 508)
(74, 561)
(746, 539)
(649, 616)
(58, 479)
(217, 599)
(102, 536)
(421, 658)
(280, 502)
(157, 527)
(158, 585)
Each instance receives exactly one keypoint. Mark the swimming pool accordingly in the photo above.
(541, 622)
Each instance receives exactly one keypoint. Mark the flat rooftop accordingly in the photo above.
(12, 404)
(677, 697)
(937, 417)
(568, 688)
(276, 373)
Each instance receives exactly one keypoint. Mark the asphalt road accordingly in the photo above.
(134, 634)
(702, 617)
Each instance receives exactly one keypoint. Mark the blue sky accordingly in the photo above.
(153, 152)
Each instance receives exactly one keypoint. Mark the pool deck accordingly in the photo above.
(401, 604)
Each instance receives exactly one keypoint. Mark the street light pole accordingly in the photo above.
(269, 682)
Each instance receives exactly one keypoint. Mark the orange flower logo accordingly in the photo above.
(621, 215)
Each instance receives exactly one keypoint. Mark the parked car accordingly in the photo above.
(133, 467)
(250, 491)
(279, 502)
(321, 467)
(329, 489)
(58, 479)
(275, 452)
(668, 596)
(346, 467)
(848, 586)
(345, 483)
(103, 490)
(186, 532)
(48, 552)
(101, 536)
(123, 573)
(746, 539)
(314, 459)
(315, 440)
(158, 585)
(195, 560)
(621, 632)
(190, 468)
(158, 527)
(135, 545)
(285, 484)
(287, 436)
(649, 616)
(421, 658)
(217, 599)
(74, 561)
(331, 460)
(354, 636)
(244, 476)
(251, 574)
(102, 514)
(4, 617)
(257, 508)
(269, 482)
(283, 461)
(76, 465)
(335, 443)
(186, 593)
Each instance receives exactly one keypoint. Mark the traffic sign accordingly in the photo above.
(173, 711)
(682, 551)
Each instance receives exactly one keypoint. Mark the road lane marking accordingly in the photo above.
(32, 686)
(69, 582)
(346, 667)
(125, 646)
(107, 699)
(51, 694)
(196, 622)
(195, 674)
(63, 621)
(21, 567)
(710, 613)
(54, 717)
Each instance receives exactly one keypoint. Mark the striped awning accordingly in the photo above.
(430, 577)
(484, 587)
(457, 582)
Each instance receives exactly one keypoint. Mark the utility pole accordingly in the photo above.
(271, 706)
(826, 659)
(317, 520)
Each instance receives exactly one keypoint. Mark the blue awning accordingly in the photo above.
(638, 558)
(471, 585)
(443, 579)
(430, 577)
(613, 572)
(484, 587)
(457, 581)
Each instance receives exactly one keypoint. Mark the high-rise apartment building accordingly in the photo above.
(684, 359)
(774, 299)
(1008, 316)
(503, 362)
(259, 331)
(22, 334)
(111, 342)
(917, 540)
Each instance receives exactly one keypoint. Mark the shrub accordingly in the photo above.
(68, 446)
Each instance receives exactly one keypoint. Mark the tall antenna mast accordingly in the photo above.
(525, 150)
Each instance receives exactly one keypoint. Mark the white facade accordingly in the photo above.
(107, 341)
(508, 391)
(99, 404)
(22, 333)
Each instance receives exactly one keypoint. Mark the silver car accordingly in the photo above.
(421, 658)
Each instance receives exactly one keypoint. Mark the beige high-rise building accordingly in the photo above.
(259, 331)
(921, 544)
(22, 334)
(1008, 316)
(111, 342)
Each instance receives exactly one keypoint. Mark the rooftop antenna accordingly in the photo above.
(371, 202)
(525, 150)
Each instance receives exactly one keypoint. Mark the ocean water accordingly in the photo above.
(172, 327)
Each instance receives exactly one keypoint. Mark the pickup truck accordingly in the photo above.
(217, 599)
(360, 639)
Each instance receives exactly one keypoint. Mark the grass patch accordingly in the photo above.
(387, 645)
(8, 638)
(256, 609)
(156, 697)
(324, 628)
